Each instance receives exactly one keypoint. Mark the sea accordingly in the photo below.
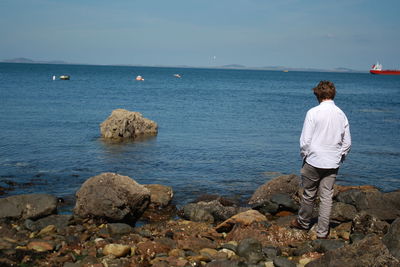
(221, 131)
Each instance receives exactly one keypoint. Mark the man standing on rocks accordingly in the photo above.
(324, 143)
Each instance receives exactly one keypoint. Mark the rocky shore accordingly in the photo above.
(212, 231)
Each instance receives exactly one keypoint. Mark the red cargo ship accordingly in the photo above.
(377, 69)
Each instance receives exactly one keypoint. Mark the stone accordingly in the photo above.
(119, 228)
(367, 252)
(324, 245)
(200, 211)
(123, 124)
(112, 197)
(160, 195)
(29, 206)
(266, 207)
(343, 212)
(152, 248)
(343, 230)
(286, 184)
(393, 198)
(116, 250)
(196, 213)
(40, 246)
(251, 250)
(284, 202)
(283, 262)
(196, 243)
(48, 230)
(59, 221)
(392, 238)
(349, 196)
(366, 224)
(243, 218)
(376, 204)
(271, 252)
(224, 263)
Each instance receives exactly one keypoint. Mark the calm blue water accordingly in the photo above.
(220, 131)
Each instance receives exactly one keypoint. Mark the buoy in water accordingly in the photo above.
(54, 77)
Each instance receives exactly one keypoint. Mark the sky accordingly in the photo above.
(254, 33)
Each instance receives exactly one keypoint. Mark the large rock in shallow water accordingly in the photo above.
(30, 206)
(112, 197)
(124, 124)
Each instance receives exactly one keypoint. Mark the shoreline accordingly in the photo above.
(212, 231)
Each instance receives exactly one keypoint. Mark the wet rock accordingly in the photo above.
(224, 263)
(286, 184)
(152, 248)
(30, 206)
(343, 230)
(357, 236)
(116, 250)
(123, 124)
(59, 221)
(40, 245)
(271, 252)
(160, 195)
(348, 196)
(368, 252)
(251, 250)
(392, 239)
(196, 243)
(196, 213)
(343, 212)
(393, 198)
(366, 224)
(324, 245)
(283, 262)
(285, 202)
(243, 218)
(112, 197)
(200, 211)
(119, 228)
(266, 207)
(375, 204)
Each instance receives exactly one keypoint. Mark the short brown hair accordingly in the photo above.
(325, 90)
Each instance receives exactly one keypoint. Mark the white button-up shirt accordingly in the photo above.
(325, 139)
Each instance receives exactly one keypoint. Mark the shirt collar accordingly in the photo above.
(327, 102)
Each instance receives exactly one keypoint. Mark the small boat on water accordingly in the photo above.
(64, 77)
(377, 69)
(177, 76)
(139, 78)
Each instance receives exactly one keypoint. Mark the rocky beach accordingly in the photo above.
(103, 229)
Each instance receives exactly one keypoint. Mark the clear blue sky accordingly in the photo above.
(255, 33)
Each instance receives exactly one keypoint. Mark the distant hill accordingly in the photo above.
(233, 66)
(28, 60)
(229, 66)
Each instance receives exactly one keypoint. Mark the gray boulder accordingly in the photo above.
(376, 204)
(367, 224)
(285, 184)
(368, 252)
(392, 238)
(30, 206)
(124, 124)
(202, 210)
(112, 197)
(160, 195)
(343, 212)
(59, 221)
(251, 250)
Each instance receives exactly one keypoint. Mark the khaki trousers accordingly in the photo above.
(316, 180)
